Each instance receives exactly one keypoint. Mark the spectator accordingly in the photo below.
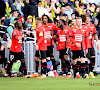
(84, 11)
(11, 26)
(26, 3)
(29, 22)
(53, 8)
(42, 10)
(69, 11)
(14, 13)
(97, 10)
(62, 12)
(73, 23)
(2, 8)
(96, 23)
(80, 9)
(76, 7)
(31, 34)
(8, 9)
(2, 29)
(3, 59)
(30, 9)
(18, 5)
(72, 17)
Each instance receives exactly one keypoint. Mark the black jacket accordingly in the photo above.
(98, 31)
(30, 9)
(2, 8)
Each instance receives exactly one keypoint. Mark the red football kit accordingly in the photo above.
(41, 38)
(92, 31)
(49, 32)
(63, 35)
(78, 36)
(87, 30)
(16, 41)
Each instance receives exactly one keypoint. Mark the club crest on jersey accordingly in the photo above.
(15, 32)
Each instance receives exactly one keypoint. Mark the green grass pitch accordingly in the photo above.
(50, 83)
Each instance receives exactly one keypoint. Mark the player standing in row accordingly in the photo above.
(78, 34)
(16, 49)
(49, 27)
(91, 51)
(87, 30)
(64, 46)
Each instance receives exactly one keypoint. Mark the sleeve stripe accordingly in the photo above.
(94, 33)
(70, 36)
(15, 36)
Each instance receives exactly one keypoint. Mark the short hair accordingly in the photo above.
(89, 16)
(2, 21)
(64, 22)
(38, 18)
(78, 18)
(83, 18)
(16, 23)
(47, 17)
(72, 14)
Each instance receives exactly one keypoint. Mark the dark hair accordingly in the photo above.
(16, 23)
(89, 16)
(64, 22)
(83, 18)
(72, 14)
(2, 21)
(47, 17)
(15, 11)
(81, 4)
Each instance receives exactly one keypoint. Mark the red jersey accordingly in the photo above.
(87, 31)
(78, 36)
(42, 41)
(16, 41)
(63, 35)
(92, 31)
(49, 32)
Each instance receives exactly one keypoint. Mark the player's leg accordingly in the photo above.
(92, 62)
(44, 63)
(83, 64)
(21, 58)
(66, 57)
(36, 58)
(74, 63)
(9, 66)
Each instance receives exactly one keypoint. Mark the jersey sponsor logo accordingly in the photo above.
(78, 37)
(83, 30)
(74, 30)
(90, 36)
(91, 28)
(50, 26)
(62, 38)
(19, 40)
(47, 34)
(66, 30)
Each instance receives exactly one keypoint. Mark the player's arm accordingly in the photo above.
(86, 41)
(96, 37)
(67, 37)
(15, 35)
(41, 37)
(71, 37)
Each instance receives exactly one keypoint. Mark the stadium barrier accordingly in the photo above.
(29, 53)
